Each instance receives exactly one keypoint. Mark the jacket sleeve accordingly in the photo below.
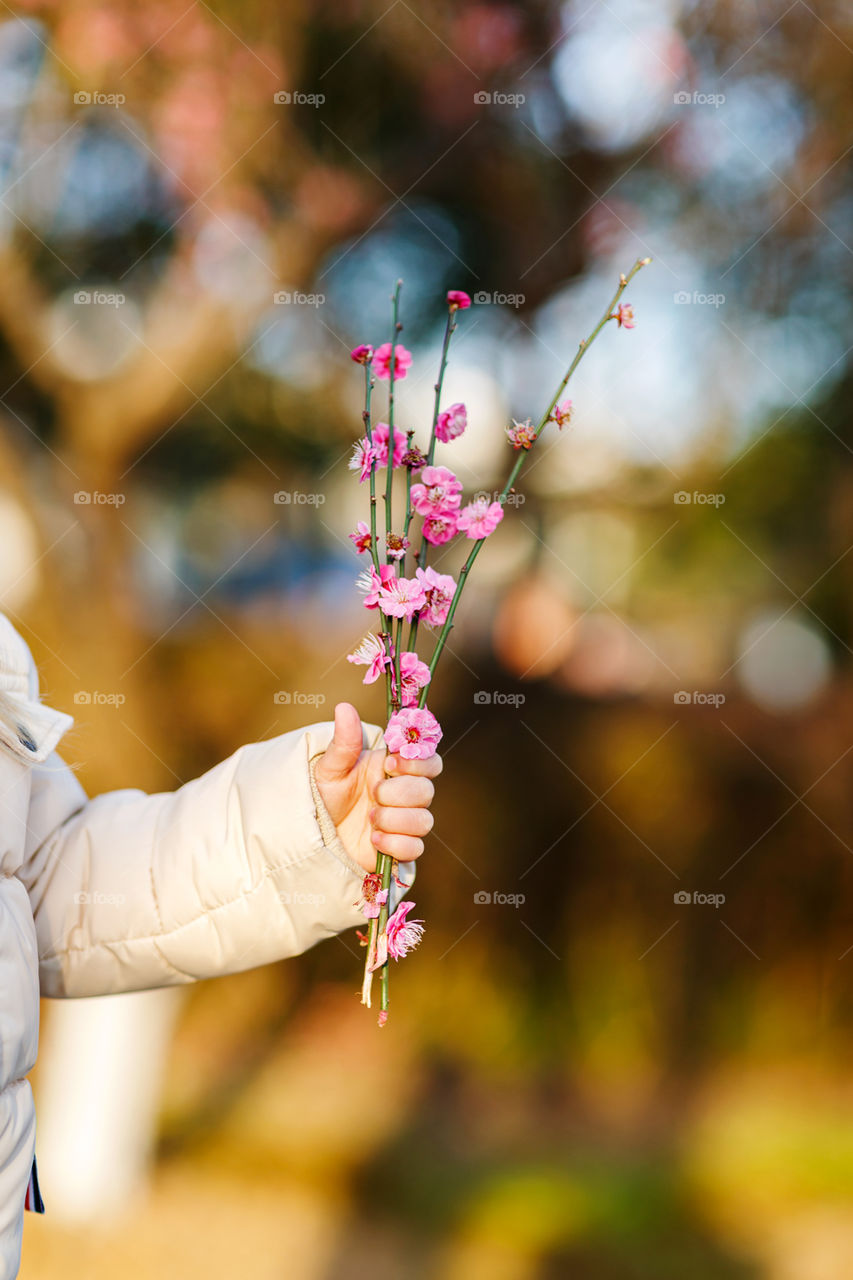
(240, 867)
(237, 868)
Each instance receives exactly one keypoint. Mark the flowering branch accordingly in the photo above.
(429, 597)
(623, 316)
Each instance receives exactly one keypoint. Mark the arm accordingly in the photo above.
(230, 871)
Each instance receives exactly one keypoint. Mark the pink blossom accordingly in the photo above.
(382, 362)
(373, 896)
(380, 444)
(362, 354)
(371, 582)
(624, 315)
(521, 435)
(363, 458)
(439, 590)
(562, 413)
(397, 545)
(451, 423)
(403, 935)
(480, 518)
(414, 674)
(438, 492)
(458, 300)
(414, 733)
(361, 537)
(371, 653)
(441, 527)
(401, 598)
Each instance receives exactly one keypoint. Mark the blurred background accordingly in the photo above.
(622, 1050)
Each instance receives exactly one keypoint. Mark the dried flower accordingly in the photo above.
(373, 896)
(521, 435)
(413, 458)
(562, 413)
(397, 545)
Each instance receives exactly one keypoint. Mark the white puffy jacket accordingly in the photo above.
(237, 868)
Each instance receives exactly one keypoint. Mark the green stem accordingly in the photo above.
(385, 626)
(448, 334)
(390, 472)
(385, 867)
(423, 551)
(368, 431)
(422, 554)
(409, 512)
(384, 862)
(583, 347)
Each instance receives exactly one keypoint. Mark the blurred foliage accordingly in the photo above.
(598, 1082)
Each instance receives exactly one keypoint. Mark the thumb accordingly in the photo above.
(342, 753)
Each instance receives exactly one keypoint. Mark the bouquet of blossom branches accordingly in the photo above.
(403, 601)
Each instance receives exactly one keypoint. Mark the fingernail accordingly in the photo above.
(391, 764)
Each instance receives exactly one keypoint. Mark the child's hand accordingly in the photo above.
(373, 811)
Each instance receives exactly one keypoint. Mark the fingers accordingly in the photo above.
(402, 822)
(405, 792)
(402, 815)
(431, 768)
(343, 752)
(403, 848)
